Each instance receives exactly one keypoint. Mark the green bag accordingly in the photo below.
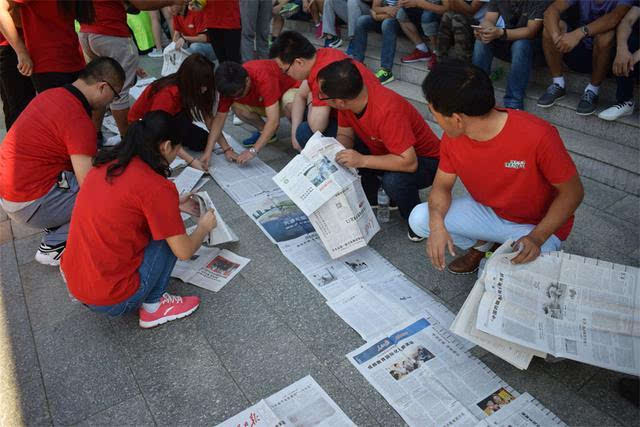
(140, 25)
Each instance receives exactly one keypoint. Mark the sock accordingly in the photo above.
(483, 247)
(151, 307)
(592, 88)
(559, 81)
(422, 47)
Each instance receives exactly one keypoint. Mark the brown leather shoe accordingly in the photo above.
(467, 263)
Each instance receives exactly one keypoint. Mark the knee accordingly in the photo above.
(419, 220)
(521, 48)
(389, 26)
(392, 182)
(363, 23)
(604, 41)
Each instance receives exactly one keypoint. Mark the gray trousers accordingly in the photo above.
(347, 10)
(51, 212)
(256, 18)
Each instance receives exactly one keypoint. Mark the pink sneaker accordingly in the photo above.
(172, 307)
(416, 56)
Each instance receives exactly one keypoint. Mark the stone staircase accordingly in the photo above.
(606, 152)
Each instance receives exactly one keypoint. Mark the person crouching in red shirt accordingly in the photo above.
(126, 229)
(188, 94)
(47, 153)
(384, 136)
(521, 180)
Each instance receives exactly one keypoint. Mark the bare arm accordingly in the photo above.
(439, 203)
(270, 127)
(215, 126)
(529, 32)
(405, 162)
(608, 21)
(10, 32)
(570, 194)
(345, 136)
(626, 25)
(552, 17)
(185, 245)
(81, 164)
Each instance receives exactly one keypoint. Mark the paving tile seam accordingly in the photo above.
(33, 340)
(113, 406)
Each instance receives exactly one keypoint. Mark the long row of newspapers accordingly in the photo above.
(425, 373)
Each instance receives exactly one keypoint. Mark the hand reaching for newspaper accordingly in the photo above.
(208, 221)
(189, 205)
(529, 248)
(438, 241)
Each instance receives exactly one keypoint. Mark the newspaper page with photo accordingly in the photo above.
(313, 177)
(303, 403)
(523, 411)
(222, 233)
(277, 216)
(428, 378)
(565, 305)
(346, 222)
(210, 268)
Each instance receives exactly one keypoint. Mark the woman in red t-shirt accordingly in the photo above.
(188, 94)
(126, 230)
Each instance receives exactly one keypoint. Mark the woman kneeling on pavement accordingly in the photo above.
(126, 230)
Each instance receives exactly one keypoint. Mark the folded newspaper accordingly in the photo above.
(222, 233)
(303, 403)
(561, 304)
(210, 268)
(331, 195)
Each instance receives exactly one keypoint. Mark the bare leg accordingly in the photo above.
(602, 48)
(551, 54)
(253, 119)
(155, 28)
(411, 31)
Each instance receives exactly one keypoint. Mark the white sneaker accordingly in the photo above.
(616, 111)
(155, 53)
(50, 255)
(237, 121)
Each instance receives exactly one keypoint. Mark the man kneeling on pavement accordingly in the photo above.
(521, 180)
(385, 137)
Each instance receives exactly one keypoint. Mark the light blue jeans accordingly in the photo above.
(388, 28)
(467, 221)
(203, 49)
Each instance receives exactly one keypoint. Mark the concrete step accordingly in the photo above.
(611, 164)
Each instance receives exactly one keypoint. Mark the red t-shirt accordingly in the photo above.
(268, 84)
(190, 25)
(39, 144)
(50, 37)
(110, 20)
(513, 172)
(111, 225)
(3, 41)
(390, 124)
(223, 14)
(166, 99)
(326, 56)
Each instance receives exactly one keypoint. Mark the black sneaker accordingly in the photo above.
(414, 237)
(50, 255)
(587, 104)
(553, 93)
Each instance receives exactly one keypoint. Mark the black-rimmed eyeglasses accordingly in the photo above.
(116, 95)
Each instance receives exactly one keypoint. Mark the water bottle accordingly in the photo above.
(383, 206)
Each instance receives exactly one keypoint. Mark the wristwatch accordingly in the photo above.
(504, 34)
(585, 30)
(253, 151)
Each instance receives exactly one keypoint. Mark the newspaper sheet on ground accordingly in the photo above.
(427, 377)
(187, 179)
(277, 216)
(346, 222)
(523, 411)
(303, 403)
(140, 86)
(210, 268)
(313, 177)
(565, 305)
(222, 233)
(243, 182)
(109, 123)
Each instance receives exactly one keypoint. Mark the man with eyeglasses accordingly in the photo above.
(384, 137)
(255, 90)
(48, 151)
(298, 58)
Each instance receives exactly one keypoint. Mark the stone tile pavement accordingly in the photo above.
(61, 364)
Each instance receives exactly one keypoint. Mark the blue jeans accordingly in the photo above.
(427, 21)
(389, 29)
(155, 270)
(304, 132)
(203, 49)
(521, 62)
(467, 221)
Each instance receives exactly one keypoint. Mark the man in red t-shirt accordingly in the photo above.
(298, 58)
(254, 90)
(384, 135)
(48, 151)
(522, 183)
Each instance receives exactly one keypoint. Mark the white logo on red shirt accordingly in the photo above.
(515, 164)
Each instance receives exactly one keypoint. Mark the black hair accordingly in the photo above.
(103, 68)
(142, 139)
(195, 72)
(291, 45)
(231, 79)
(456, 86)
(80, 10)
(341, 79)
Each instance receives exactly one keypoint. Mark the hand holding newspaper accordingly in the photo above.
(221, 233)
